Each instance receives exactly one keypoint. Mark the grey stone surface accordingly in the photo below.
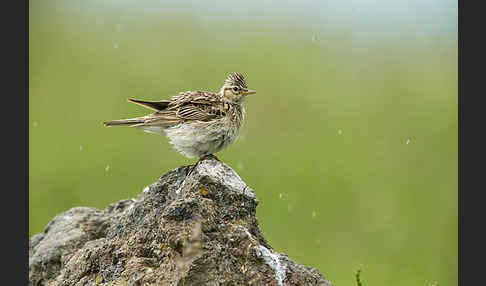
(189, 228)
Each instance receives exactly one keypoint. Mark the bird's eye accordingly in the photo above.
(235, 89)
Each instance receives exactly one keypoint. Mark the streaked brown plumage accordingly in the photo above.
(198, 123)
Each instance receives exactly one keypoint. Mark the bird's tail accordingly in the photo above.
(124, 122)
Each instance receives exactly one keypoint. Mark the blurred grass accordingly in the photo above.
(328, 130)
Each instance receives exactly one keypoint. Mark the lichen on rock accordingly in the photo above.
(191, 227)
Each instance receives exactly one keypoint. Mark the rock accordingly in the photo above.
(189, 228)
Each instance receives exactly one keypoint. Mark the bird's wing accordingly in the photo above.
(186, 113)
(177, 100)
(193, 97)
(184, 107)
(198, 111)
(154, 105)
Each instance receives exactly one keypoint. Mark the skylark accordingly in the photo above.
(197, 123)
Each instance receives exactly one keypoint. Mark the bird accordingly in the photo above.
(197, 123)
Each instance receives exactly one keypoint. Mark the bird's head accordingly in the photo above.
(235, 88)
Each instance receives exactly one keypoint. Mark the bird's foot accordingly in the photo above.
(208, 156)
(205, 157)
(191, 168)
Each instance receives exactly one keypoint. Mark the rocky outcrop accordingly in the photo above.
(194, 226)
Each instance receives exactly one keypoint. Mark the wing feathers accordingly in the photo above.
(154, 105)
(195, 112)
(186, 106)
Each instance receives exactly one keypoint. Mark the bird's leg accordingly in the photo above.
(209, 156)
(193, 167)
(204, 157)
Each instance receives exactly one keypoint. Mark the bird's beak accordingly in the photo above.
(249, 91)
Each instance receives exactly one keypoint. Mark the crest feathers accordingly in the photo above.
(236, 79)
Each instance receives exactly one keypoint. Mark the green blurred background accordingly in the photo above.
(350, 143)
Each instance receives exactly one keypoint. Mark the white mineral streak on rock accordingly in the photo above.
(224, 175)
(273, 260)
(67, 217)
(130, 207)
(248, 233)
(250, 237)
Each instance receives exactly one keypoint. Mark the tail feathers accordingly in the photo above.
(124, 122)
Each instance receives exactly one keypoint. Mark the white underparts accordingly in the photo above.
(197, 139)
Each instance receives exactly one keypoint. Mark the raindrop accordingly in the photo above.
(290, 207)
(80, 147)
(408, 141)
(118, 27)
(240, 166)
(115, 46)
(314, 38)
(107, 168)
(34, 123)
(313, 214)
(146, 189)
(280, 196)
(340, 132)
